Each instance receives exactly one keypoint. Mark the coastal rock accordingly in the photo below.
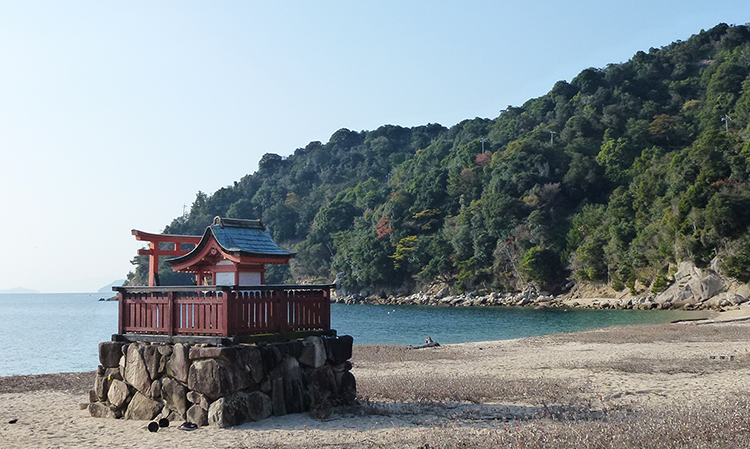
(265, 385)
(708, 285)
(227, 354)
(313, 353)
(156, 389)
(121, 368)
(293, 397)
(741, 289)
(101, 385)
(198, 399)
(178, 365)
(348, 388)
(278, 405)
(135, 372)
(346, 366)
(110, 353)
(726, 299)
(142, 407)
(693, 285)
(320, 382)
(447, 300)
(112, 373)
(293, 348)
(339, 350)
(197, 415)
(153, 361)
(252, 361)
(169, 414)
(239, 407)
(271, 357)
(165, 350)
(174, 395)
(216, 378)
(647, 303)
(101, 410)
(677, 294)
(685, 270)
(118, 393)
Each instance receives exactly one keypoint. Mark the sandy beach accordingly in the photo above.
(674, 385)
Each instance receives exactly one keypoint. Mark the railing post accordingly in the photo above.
(279, 311)
(226, 327)
(170, 313)
(326, 321)
(121, 312)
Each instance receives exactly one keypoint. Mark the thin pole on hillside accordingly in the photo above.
(726, 119)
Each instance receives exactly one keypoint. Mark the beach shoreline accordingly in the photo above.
(473, 392)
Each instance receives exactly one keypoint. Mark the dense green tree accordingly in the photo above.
(614, 176)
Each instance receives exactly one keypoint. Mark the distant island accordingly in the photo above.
(19, 290)
(108, 288)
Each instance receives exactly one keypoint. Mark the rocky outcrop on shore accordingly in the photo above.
(528, 298)
(693, 289)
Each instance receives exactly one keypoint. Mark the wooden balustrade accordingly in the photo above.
(224, 311)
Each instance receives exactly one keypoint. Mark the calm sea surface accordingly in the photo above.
(51, 333)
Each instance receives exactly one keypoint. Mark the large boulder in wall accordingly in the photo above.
(142, 407)
(178, 365)
(238, 408)
(135, 372)
(313, 352)
(110, 353)
(175, 395)
(216, 378)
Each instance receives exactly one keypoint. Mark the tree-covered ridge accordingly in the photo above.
(615, 177)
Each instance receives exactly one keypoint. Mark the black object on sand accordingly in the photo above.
(164, 422)
(187, 425)
(153, 426)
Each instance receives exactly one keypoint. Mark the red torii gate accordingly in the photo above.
(154, 249)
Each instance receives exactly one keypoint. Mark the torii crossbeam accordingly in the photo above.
(154, 249)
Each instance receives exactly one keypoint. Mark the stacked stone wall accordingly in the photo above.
(223, 386)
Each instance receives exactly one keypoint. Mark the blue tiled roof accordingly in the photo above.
(241, 237)
(248, 236)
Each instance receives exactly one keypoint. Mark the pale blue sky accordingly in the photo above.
(114, 114)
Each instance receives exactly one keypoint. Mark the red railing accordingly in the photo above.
(224, 311)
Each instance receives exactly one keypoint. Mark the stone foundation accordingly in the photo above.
(222, 385)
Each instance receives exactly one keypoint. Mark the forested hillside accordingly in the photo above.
(614, 176)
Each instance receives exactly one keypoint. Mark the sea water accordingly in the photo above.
(404, 325)
(52, 333)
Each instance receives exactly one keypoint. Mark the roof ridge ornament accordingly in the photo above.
(238, 223)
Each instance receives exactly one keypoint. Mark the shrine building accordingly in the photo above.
(231, 252)
(231, 302)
